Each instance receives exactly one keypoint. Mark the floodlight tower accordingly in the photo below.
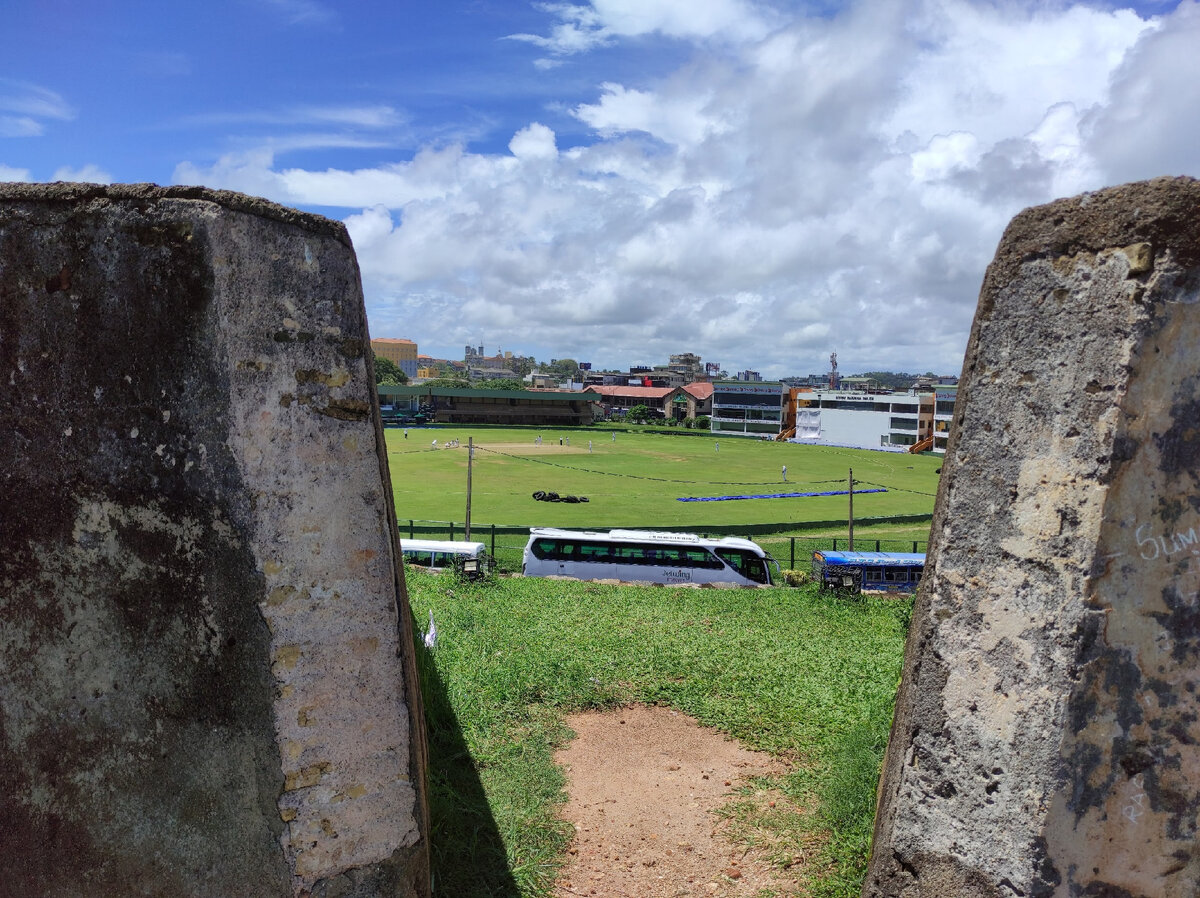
(833, 374)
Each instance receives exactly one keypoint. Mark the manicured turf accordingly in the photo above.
(636, 480)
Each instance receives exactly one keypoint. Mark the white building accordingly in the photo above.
(892, 421)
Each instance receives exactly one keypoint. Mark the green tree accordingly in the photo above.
(457, 383)
(504, 383)
(563, 367)
(524, 365)
(639, 414)
(388, 373)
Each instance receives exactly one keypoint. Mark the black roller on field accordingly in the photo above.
(543, 496)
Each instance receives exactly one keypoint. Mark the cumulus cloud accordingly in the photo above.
(8, 173)
(812, 184)
(1155, 93)
(87, 174)
(603, 22)
(534, 142)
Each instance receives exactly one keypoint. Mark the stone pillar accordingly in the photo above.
(207, 678)
(1047, 734)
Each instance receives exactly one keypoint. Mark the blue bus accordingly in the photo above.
(880, 571)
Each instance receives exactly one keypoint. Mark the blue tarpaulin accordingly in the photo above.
(776, 496)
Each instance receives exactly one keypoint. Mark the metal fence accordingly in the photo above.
(506, 543)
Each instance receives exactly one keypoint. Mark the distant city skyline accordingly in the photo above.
(652, 363)
(763, 180)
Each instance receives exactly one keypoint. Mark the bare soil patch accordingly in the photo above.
(643, 786)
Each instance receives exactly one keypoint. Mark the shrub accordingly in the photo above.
(797, 577)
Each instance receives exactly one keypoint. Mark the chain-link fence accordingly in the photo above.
(506, 543)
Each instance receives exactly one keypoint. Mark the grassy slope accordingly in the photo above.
(636, 480)
(803, 676)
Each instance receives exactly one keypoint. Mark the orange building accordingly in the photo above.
(401, 353)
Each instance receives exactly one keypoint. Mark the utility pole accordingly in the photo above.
(851, 507)
(470, 456)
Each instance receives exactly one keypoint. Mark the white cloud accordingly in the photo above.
(602, 22)
(1151, 126)
(8, 173)
(20, 126)
(821, 184)
(25, 107)
(732, 20)
(303, 12)
(88, 174)
(367, 116)
(534, 142)
(680, 118)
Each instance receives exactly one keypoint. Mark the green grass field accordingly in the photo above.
(807, 676)
(637, 479)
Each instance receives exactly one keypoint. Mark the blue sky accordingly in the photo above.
(762, 183)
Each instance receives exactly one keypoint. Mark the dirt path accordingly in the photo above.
(643, 785)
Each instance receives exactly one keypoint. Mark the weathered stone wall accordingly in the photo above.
(1046, 739)
(206, 669)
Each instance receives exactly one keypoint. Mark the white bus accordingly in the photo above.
(646, 555)
(468, 557)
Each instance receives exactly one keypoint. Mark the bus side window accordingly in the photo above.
(630, 554)
(673, 556)
(544, 548)
(597, 553)
(700, 558)
(733, 558)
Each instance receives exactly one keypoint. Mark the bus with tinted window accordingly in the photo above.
(646, 556)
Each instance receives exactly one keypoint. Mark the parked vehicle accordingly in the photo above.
(880, 571)
(646, 556)
(469, 559)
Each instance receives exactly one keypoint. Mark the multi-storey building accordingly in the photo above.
(745, 408)
(943, 415)
(401, 353)
(896, 421)
(688, 366)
